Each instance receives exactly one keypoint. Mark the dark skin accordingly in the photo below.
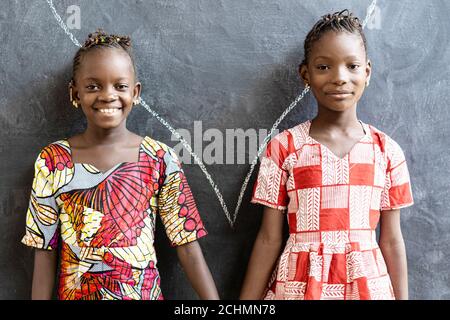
(337, 79)
(337, 72)
(106, 80)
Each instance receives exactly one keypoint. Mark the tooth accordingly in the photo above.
(113, 110)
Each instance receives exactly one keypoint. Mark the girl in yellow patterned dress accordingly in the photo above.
(95, 196)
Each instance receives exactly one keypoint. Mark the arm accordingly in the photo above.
(393, 248)
(266, 251)
(197, 271)
(43, 274)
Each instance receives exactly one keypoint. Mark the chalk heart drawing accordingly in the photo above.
(186, 145)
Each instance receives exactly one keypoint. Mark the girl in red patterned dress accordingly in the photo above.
(335, 178)
(96, 195)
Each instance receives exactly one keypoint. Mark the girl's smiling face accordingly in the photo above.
(337, 70)
(105, 87)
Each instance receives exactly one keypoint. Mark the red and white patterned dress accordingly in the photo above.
(333, 208)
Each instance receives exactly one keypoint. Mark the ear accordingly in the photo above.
(73, 91)
(137, 91)
(368, 70)
(304, 73)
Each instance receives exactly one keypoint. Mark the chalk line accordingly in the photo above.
(186, 145)
(370, 11)
(62, 24)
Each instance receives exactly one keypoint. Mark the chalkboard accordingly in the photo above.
(227, 65)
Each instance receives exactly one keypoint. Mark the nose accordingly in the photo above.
(108, 94)
(340, 75)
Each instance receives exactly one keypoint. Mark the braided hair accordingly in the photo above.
(342, 21)
(101, 40)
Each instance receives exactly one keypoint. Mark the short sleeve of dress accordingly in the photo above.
(397, 192)
(176, 205)
(42, 219)
(270, 187)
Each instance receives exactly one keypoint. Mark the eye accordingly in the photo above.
(92, 87)
(323, 67)
(354, 66)
(122, 86)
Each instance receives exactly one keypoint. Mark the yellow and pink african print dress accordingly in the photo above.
(104, 222)
(333, 208)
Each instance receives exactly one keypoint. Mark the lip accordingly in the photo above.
(339, 94)
(103, 108)
(108, 111)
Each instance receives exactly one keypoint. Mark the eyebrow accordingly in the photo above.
(331, 58)
(95, 79)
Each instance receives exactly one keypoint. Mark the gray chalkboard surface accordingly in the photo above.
(227, 65)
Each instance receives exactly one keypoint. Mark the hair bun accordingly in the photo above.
(340, 16)
(100, 37)
(124, 40)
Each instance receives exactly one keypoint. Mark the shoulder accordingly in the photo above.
(283, 147)
(53, 157)
(158, 150)
(386, 144)
(293, 138)
(56, 151)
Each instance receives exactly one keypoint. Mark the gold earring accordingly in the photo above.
(74, 103)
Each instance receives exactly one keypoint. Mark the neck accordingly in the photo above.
(337, 119)
(99, 136)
